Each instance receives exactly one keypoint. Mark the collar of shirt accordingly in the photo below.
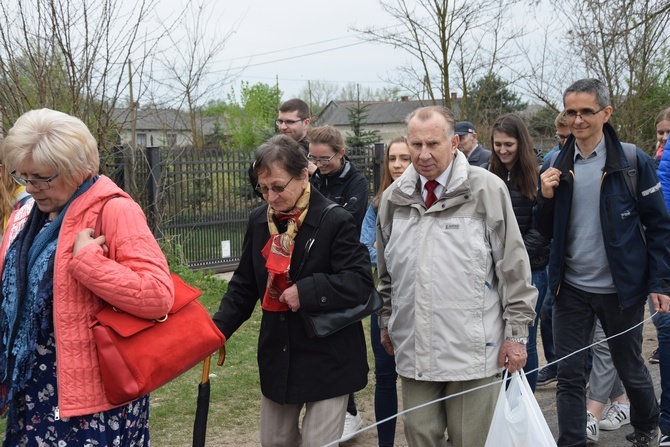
(599, 148)
(441, 182)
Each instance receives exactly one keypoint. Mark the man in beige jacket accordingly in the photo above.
(456, 282)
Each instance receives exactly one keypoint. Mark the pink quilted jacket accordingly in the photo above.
(133, 277)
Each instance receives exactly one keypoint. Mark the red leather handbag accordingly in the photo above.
(138, 355)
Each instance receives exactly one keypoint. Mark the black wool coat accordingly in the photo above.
(293, 367)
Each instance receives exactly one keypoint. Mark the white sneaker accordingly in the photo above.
(351, 424)
(592, 430)
(614, 417)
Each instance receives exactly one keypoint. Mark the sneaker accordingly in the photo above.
(351, 425)
(644, 439)
(665, 441)
(592, 430)
(654, 357)
(546, 376)
(615, 416)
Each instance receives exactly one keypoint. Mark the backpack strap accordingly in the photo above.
(630, 150)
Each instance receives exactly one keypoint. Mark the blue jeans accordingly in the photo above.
(662, 322)
(540, 282)
(574, 312)
(386, 392)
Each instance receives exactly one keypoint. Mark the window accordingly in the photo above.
(142, 140)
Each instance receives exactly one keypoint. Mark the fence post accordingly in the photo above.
(154, 217)
(377, 167)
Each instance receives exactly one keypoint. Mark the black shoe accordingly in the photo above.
(654, 357)
(644, 439)
(546, 376)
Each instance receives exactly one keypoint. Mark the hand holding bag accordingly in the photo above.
(325, 323)
(518, 420)
(137, 355)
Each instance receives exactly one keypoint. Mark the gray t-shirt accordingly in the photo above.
(586, 265)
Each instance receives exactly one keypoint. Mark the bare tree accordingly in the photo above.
(70, 55)
(450, 44)
(318, 94)
(188, 61)
(625, 44)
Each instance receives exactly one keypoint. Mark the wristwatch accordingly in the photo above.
(522, 340)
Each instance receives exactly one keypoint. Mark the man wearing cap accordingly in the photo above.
(474, 152)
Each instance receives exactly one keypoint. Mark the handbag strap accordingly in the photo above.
(310, 241)
(98, 223)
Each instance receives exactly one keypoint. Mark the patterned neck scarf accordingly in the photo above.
(279, 250)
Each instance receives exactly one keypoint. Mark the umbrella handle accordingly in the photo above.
(208, 361)
(205, 369)
(222, 355)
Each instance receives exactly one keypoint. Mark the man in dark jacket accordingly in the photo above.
(468, 144)
(601, 263)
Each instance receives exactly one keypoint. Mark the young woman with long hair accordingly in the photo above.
(513, 160)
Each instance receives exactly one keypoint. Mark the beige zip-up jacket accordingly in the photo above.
(455, 278)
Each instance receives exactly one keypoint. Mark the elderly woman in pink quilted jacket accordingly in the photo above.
(56, 273)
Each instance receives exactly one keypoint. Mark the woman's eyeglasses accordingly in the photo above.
(323, 160)
(37, 183)
(276, 188)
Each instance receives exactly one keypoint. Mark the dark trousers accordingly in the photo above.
(573, 319)
(386, 391)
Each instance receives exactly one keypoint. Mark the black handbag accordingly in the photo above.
(325, 323)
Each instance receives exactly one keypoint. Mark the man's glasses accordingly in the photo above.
(583, 114)
(36, 183)
(288, 122)
(278, 189)
(323, 160)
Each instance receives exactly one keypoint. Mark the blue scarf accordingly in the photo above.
(27, 283)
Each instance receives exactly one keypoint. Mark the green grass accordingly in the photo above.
(235, 391)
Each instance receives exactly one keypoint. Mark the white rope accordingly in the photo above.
(487, 385)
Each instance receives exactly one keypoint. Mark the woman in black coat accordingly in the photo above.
(297, 371)
(514, 161)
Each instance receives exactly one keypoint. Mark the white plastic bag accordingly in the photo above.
(518, 420)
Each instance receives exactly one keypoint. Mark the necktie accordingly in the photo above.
(431, 197)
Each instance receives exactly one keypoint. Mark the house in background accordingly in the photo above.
(156, 127)
(385, 117)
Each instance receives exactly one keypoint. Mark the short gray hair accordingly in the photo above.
(426, 113)
(592, 86)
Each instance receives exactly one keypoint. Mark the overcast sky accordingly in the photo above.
(299, 40)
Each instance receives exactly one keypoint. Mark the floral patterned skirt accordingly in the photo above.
(32, 422)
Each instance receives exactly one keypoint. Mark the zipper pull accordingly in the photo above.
(508, 173)
(56, 414)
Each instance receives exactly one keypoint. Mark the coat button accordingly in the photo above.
(285, 348)
(323, 300)
(282, 317)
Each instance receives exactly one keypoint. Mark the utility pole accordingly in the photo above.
(129, 165)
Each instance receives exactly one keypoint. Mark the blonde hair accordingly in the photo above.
(53, 140)
(8, 189)
(387, 179)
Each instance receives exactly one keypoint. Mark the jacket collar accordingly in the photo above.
(408, 191)
(615, 157)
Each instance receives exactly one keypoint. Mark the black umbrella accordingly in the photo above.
(202, 409)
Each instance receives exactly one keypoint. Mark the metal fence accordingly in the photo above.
(198, 201)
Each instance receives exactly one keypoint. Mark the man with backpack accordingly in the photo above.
(611, 242)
